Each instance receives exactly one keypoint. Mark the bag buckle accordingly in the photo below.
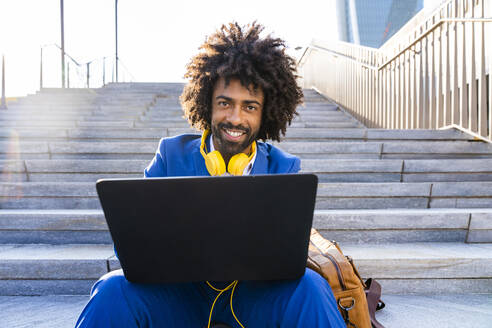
(346, 309)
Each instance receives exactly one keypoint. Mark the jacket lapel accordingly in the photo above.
(200, 168)
(261, 162)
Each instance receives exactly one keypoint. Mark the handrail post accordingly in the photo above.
(88, 74)
(41, 71)
(104, 71)
(62, 45)
(116, 35)
(68, 74)
(3, 104)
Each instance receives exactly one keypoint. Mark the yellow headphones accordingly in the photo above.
(215, 163)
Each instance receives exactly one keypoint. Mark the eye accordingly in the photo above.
(250, 108)
(223, 103)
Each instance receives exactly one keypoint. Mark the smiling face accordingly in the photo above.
(236, 117)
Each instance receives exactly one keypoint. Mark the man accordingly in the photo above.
(242, 89)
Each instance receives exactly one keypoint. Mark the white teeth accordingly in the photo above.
(234, 133)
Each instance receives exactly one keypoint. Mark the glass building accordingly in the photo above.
(372, 22)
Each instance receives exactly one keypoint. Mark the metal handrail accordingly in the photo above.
(398, 35)
(85, 66)
(336, 53)
(432, 76)
(126, 69)
(418, 39)
(431, 29)
(65, 53)
(41, 62)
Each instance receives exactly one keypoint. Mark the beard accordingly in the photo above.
(228, 148)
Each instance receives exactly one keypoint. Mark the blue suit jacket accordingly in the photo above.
(180, 156)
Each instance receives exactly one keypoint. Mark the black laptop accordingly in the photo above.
(210, 228)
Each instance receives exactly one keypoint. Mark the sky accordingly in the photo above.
(156, 38)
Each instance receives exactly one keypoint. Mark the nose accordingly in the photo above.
(235, 115)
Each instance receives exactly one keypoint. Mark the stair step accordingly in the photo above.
(82, 195)
(389, 150)
(405, 225)
(79, 170)
(425, 268)
(48, 195)
(427, 311)
(362, 170)
(66, 124)
(41, 311)
(60, 150)
(327, 170)
(410, 268)
(52, 262)
(51, 269)
(134, 134)
(404, 195)
(437, 148)
(293, 134)
(403, 311)
(69, 118)
(334, 125)
(23, 226)
(423, 170)
(324, 119)
(306, 150)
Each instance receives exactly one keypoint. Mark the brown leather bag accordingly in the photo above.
(326, 258)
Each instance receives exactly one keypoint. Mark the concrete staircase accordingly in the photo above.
(413, 208)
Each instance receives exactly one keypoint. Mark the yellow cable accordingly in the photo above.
(212, 309)
(216, 298)
(232, 310)
(221, 291)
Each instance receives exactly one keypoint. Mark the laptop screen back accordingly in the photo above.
(210, 228)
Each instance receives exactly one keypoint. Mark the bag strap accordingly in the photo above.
(374, 303)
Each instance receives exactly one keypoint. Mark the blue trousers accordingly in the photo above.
(306, 302)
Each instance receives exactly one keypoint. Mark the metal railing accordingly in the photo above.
(3, 102)
(437, 75)
(92, 74)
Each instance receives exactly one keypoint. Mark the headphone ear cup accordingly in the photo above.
(215, 163)
(237, 164)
